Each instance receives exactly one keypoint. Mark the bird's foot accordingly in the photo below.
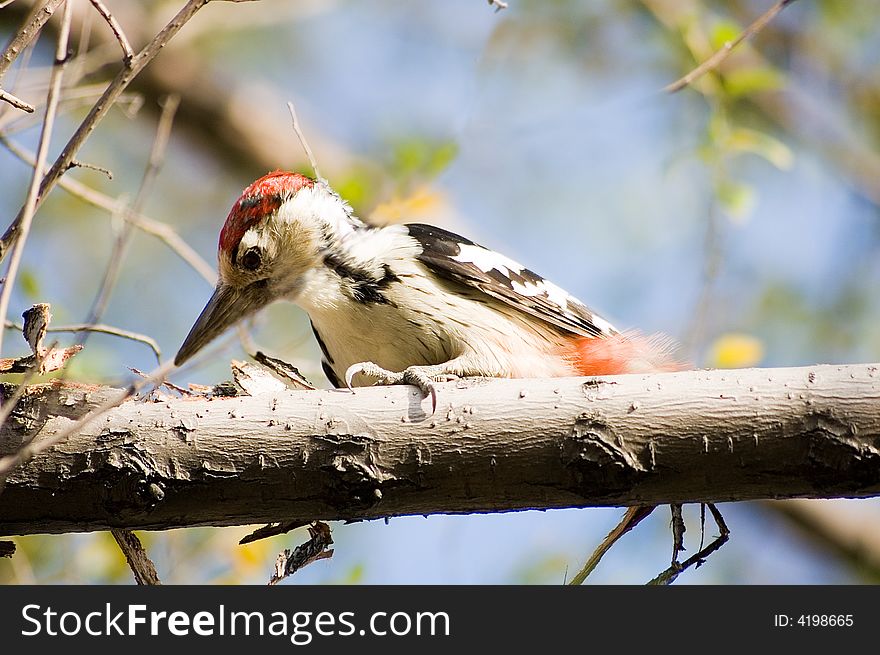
(422, 377)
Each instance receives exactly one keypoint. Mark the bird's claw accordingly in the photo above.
(414, 375)
(371, 370)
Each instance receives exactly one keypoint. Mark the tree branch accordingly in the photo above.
(27, 212)
(111, 94)
(493, 445)
(16, 102)
(718, 58)
(138, 561)
(22, 38)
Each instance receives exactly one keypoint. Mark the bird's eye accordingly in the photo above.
(251, 260)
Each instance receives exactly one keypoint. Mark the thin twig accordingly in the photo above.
(718, 58)
(272, 530)
(30, 205)
(103, 329)
(669, 575)
(123, 239)
(138, 561)
(98, 111)
(302, 140)
(678, 530)
(18, 103)
(127, 52)
(76, 163)
(161, 231)
(289, 562)
(632, 517)
(27, 33)
(24, 62)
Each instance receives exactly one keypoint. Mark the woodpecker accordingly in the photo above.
(404, 304)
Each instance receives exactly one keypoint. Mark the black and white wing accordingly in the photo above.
(455, 258)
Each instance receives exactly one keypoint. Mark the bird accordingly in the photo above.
(408, 303)
(404, 303)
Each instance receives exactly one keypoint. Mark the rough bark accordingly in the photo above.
(493, 445)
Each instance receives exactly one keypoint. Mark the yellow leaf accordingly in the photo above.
(422, 204)
(735, 350)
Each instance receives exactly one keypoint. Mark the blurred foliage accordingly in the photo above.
(735, 351)
(541, 127)
(415, 158)
(418, 207)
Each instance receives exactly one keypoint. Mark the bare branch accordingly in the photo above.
(718, 58)
(138, 561)
(103, 329)
(272, 530)
(76, 163)
(27, 33)
(693, 436)
(18, 103)
(43, 359)
(31, 202)
(238, 124)
(632, 517)
(162, 231)
(97, 113)
(677, 568)
(116, 28)
(120, 245)
(314, 549)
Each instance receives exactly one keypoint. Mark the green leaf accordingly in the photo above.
(440, 159)
(421, 158)
(29, 284)
(356, 188)
(724, 31)
(736, 199)
(748, 81)
(761, 144)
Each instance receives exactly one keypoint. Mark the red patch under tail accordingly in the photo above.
(630, 352)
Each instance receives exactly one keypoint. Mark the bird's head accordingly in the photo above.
(275, 234)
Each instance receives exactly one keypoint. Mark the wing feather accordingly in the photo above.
(460, 260)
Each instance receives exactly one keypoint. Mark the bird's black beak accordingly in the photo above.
(226, 307)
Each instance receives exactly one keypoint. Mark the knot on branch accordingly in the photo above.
(835, 447)
(598, 458)
(132, 477)
(357, 476)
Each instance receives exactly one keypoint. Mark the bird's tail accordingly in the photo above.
(628, 352)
